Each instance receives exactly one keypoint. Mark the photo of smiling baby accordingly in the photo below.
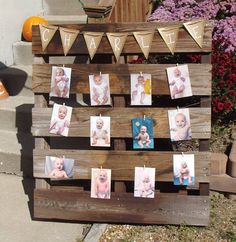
(179, 122)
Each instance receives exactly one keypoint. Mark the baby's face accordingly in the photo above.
(177, 72)
(59, 72)
(143, 130)
(184, 164)
(99, 124)
(146, 179)
(59, 163)
(103, 176)
(97, 80)
(62, 112)
(180, 121)
(140, 80)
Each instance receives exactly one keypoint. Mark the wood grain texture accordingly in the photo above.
(164, 209)
(223, 183)
(122, 163)
(184, 44)
(119, 75)
(200, 119)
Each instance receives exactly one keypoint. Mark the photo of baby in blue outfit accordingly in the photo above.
(142, 133)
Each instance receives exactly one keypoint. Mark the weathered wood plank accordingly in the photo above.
(200, 119)
(223, 183)
(164, 209)
(184, 44)
(122, 163)
(119, 74)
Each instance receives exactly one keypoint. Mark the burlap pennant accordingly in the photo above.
(68, 37)
(196, 30)
(170, 36)
(117, 41)
(3, 92)
(144, 39)
(92, 40)
(46, 33)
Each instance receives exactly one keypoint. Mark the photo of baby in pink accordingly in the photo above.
(60, 120)
(58, 167)
(141, 93)
(60, 82)
(179, 81)
(144, 182)
(179, 121)
(184, 169)
(101, 183)
(100, 131)
(99, 90)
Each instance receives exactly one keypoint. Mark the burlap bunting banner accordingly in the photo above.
(144, 39)
(68, 37)
(46, 33)
(117, 41)
(196, 30)
(170, 36)
(92, 40)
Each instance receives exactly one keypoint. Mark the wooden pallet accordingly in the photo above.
(70, 200)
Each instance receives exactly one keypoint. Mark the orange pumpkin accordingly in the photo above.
(27, 27)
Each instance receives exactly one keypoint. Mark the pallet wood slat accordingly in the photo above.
(164, 209)
(122, 163)
(121, 121)
(184, 44)
(119, 75)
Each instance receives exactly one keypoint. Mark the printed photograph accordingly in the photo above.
(60, 120)
(59, 167)
(100, 131)
(179, 81)
(99, 90)
(101, 183)
(142, 133)
(60, 82)
(141, 89)
(184, 169)
(179, 122)
(144, 182)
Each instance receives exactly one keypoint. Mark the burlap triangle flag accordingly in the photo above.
(196, 30)
(144, 39)
(170, 36)
(68, 37)
(117, 41)
(46, 33)
(92, 40)
(3, 92)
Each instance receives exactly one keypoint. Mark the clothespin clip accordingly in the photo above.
(100, 115)
(144, 117)
(178, 108)
(177, 64)
(63, 104)
(63, 65)
(100, 168)
(182, 154)
(141, 73)
(144, 166)
(100, 73)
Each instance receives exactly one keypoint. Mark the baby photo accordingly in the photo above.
(101, 183)
(144, 182)
(179, 81)
(99, 89)
(60, 82)
(184, 169)
(142, 133)
(179, 121)
(59, 167)
(141, 89)
(100, 131)
(60, 120)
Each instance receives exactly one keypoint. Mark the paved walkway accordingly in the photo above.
(16, 224)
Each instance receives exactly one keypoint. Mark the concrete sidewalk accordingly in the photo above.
(16, 224)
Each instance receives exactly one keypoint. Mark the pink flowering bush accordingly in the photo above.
(223, 16)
